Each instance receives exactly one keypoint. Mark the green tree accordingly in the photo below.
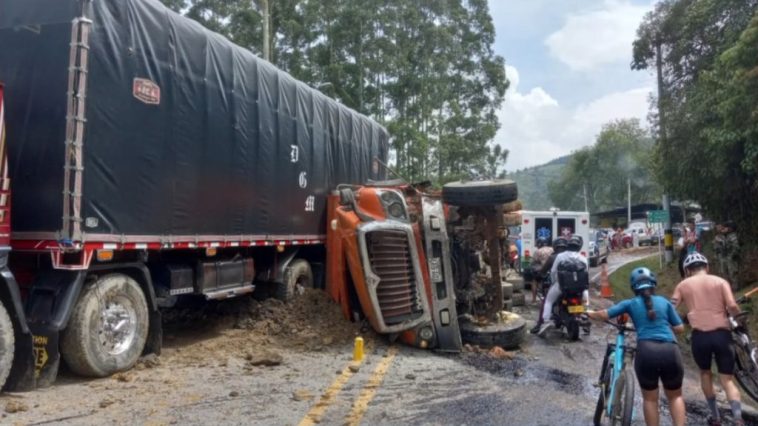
(706, 152)
(621, 155)
(425, 69)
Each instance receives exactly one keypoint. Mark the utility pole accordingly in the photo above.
(629, 201)
(266, 15)
(668, 239)
(586, 205)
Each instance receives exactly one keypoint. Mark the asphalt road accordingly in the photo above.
(549, 381)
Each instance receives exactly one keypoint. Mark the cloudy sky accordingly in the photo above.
(568, 62)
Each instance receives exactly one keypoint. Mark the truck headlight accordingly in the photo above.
(396, 210)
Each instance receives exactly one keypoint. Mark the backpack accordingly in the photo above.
(573, 276)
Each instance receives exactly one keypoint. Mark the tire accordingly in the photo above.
(507, 291)
(480, 193)
(605, 385)
(297, 278)
(518, 284)
(90, 344)
(513, 206)
(7, 345)
(508, 336)
(572, 329)
(518, 299)
(623, 400)
(508, 305)
(512, 219)
(746, 371)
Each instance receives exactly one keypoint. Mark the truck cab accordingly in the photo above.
(421, 265)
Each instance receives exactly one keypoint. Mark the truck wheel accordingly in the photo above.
(7, 345)
(480, 193)
(507, 291)
(108, 327)
(519, 298)
(297, 278)
(509, 335)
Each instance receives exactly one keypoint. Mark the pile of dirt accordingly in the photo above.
(246, 327)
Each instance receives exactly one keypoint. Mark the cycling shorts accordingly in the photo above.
(658, 361)
(709, 344)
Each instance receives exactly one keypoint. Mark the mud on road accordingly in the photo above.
(251, 362)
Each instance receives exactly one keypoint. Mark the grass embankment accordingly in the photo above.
(668, 278)
(619, 279)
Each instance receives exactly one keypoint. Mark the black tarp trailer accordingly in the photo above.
(147, 148)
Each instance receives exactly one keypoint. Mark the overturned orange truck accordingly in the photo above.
(423, 266)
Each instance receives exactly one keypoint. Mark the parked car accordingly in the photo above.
(600, 247)
(643, 238)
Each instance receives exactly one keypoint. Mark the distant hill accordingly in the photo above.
(532, 183)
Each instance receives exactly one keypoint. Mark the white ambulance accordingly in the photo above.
(550, 225)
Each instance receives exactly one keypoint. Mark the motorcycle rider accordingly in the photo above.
(543, 253)
(572, 254)
(708, 299)
(658, 358)
(559, 246)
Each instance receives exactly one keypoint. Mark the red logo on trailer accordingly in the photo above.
(146, 91)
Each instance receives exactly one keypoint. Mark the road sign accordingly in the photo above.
(657, 216)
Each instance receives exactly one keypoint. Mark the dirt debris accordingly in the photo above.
(106, 402)
(500, 353)
(247, 328)
(266, 358)
(302, 395)
(15, 407)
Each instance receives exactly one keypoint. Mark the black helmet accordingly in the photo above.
(560, 244)
(575, 243)
(542, 242)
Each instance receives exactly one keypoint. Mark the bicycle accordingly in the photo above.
(746, 353)
(616, 399)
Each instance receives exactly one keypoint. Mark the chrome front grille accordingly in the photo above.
(390, 256)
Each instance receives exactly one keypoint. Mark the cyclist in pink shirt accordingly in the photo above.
(708, 299)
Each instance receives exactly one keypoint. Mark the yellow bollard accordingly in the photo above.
(358, 349)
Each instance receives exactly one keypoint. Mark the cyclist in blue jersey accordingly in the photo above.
(657, 358)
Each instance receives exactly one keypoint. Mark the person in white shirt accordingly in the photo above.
(574, 245)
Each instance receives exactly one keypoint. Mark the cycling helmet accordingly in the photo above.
(560, 244)
(642, 278)
(542, 242)
(695, 259)
(575, 243)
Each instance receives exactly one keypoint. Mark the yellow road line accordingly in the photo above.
(367, 393)
(327, 399)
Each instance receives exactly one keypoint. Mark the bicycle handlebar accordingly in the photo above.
(742, 299)
(620, 327)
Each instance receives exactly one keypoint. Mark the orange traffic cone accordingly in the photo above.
(605, 286)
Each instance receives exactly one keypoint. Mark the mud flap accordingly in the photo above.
(47, 358)
(22, 377)
(51, 299)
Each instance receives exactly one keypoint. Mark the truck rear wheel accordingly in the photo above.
(108, 327)
(7, 345)
(480, 193)
(297, 278)
(509, 335)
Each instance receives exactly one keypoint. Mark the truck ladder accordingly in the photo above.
(75, 120)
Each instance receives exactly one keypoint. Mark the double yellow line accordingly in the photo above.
(316, 413)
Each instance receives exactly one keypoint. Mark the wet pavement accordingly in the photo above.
(549, 381)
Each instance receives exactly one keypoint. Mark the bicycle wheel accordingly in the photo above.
(623, 400)
(746, 372)
(605, 385)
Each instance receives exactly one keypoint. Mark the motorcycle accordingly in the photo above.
(569, 312)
